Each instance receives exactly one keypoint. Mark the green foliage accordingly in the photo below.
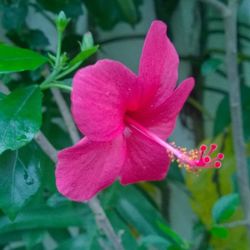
(31, 209)
(71, 8)
(14, 14)
(20, 177)
(165, 9)
(13, 59)
(83, 55)
(225, 207)
(210, 66)
(219, 231)
(222, 122)
(20, 117)
(107, 13)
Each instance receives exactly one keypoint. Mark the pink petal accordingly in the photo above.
(161, 119)
(88, 167)
(158, 71)
(100, 95)
(145, 161)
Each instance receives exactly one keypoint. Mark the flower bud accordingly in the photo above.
(62, 21)
(87, 41)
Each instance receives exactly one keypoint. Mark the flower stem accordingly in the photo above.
(57, 66)
(57, 85)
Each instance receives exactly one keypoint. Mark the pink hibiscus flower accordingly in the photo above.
(126, 119)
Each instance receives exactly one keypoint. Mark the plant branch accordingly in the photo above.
(229, 13)
(94, 204)
(236, 223)
(46, 146)
(62, 105)
(230, 23)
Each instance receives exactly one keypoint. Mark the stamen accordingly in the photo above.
(193, 160)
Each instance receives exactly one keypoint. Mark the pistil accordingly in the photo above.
(192, 160)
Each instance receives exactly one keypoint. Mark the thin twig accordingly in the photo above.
(46, 146)
(62, 105)
(236, 223)
(94, 204)
(229, 12)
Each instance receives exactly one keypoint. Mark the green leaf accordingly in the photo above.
(128, 9)
(210, 66)
(19, 178)
(165, 9)
(224, 208)
(33, 238)
(219, 232)
(45, 218)
(35, 39)
(83, 55)
(86, 241)
(128, 239)
(223, 113)
(80, 242)
(136, 209)
(14, 59)
(173, 236)
(14, 14)
(108, 13)
(20, 117)
(71, 8)
(154, 241)
(1, 96)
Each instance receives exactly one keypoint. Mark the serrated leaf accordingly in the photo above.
(14, 59)
(20, 117)
(83, 55)
(19, 178)
(224, 208)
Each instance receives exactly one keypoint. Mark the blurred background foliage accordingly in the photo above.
(185, 211)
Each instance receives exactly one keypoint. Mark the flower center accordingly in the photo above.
(192, 160)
